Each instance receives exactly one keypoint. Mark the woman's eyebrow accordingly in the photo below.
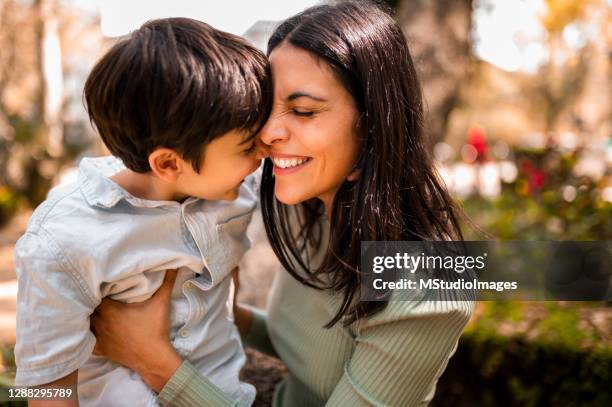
(296, 95)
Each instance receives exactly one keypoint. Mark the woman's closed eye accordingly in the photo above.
(302, 112)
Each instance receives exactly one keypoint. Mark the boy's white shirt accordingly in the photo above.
(92, 239)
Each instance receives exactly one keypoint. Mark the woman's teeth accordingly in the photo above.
(289, 162)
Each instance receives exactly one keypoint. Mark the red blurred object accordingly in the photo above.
(478, 139)
(536, 177)
(536, 180)
(526, 165)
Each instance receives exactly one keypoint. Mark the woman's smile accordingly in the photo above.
(285, 164)
(345, 162)
(311, 134)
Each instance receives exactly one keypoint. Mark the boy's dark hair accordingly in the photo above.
(176, 83)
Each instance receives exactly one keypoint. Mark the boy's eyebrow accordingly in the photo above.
(297, 95)
(249, 139)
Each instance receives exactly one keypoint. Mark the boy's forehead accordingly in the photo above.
(236, 137)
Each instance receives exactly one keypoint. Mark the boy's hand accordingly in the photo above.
(137, 335)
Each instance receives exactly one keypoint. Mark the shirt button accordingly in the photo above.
(184, 333)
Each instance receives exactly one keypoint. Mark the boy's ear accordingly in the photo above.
(166, 164)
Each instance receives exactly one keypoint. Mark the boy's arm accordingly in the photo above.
(70, 382)
(53, 308)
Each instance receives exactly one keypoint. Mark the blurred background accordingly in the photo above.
(519, 103)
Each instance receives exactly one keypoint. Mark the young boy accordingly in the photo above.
(177, 103)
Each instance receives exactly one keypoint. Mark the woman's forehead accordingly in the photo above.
(295, 70)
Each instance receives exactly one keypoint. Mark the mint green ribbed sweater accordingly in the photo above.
(391, 359)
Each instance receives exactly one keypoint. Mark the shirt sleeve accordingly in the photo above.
(400, 356)
(188, 388)
(53, 309)
(257, 337)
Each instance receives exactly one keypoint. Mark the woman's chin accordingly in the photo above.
(288, 197)
(288, 201)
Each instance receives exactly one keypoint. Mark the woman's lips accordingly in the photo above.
(286, 164)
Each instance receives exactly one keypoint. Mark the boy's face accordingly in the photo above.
(226, 162)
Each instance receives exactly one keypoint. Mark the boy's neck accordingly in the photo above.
(146, 186)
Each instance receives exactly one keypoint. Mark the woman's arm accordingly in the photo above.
(137, 336)
(126, 338)
(400, 356)
(251, 323)
(188, 388)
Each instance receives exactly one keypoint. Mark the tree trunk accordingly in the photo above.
(438, 33)
(50, 66)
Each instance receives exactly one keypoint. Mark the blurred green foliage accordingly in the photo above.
(7, 375)
(9, 202)
(491, 370)
(559, 324)
(536, 353)
(533, 206)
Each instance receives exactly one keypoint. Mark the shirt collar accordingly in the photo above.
(99, 190)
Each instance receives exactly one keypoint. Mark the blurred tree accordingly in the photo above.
(50, 73)
(47, 48)
(592, 112)
(19, 114)
(563, 83)
(30, 100)
(438, 33)
(560, 13)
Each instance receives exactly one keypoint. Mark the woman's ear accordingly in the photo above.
(166, 164)
(354, 175)
(355, 172)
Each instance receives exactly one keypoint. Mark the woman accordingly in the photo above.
(347, 164)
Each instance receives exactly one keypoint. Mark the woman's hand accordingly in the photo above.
(137, 335)
(243, 316)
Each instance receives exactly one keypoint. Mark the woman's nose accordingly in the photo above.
(273, 131)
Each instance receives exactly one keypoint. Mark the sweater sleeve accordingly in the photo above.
(187, 388)
(257, 337)
(400, 356)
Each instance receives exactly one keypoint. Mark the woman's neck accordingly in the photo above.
(328, 201)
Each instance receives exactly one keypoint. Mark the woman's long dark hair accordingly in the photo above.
(398, 194)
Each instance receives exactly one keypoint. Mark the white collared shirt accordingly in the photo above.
(91, 240)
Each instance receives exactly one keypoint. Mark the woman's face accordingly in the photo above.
(311, 133)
